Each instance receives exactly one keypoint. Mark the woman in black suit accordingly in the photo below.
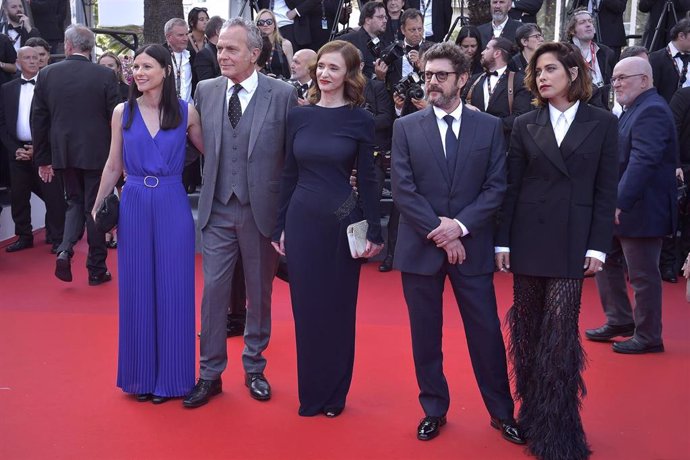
(556, 226)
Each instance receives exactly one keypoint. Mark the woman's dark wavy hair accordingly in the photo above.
(169, 108)
(569, 56)
(193, 17)
(354, 80)
(471, 32)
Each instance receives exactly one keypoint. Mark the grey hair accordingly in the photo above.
(254, 38)
(172, 23)
(81, 37)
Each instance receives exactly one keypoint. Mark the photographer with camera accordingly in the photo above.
(302, 61)
(369, 37)
(412, 28)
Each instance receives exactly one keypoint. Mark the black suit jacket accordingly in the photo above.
(360, 38)
(70, 119)
(498, 101)
(665, 73)
(441, 16)
(380, 104)
(487, 32)
(560, 201)
(612, 32)
(680, 106)
(23, 34)
(206, 63)
(9, 108)
(525, 11)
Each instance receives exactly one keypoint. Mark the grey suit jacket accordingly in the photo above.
(266, 153)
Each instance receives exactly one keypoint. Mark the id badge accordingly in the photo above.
(324, 23)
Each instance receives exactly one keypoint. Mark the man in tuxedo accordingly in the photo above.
(670, 64)
(500, 25)
(244, 115)
(70, 126)
(500, 92)
(437, 16)
(646, 211)
(657, 8)
(372, 26)
(17, 25)
(15, 133)
(449, 179)
(302, 61)
(610, 24)
(525, 11)
(206, 60)
(412, 28)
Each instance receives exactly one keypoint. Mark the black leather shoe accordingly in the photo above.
(608, 332)
(63, 267)
(159, 399)
(509, 430)
(386, 265)
(669, 275)
(142, 397)
(634, 347)
(202, 392)
(259, 388)
(19, 245)
(235, 328)
(95, 280)
(430, 427)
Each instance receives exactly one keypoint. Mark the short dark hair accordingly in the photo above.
(213, 27)
(569, 56)
(523, 32)
(505, 46)
(681, 27)
(632, 51)
(450, 51)
(409, 14)
(369, 10)
(169, 107)
(38, 41)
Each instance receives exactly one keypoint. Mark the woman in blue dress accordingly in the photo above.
(156, 232)
(324, 142)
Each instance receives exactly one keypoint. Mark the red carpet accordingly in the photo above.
(58, 398)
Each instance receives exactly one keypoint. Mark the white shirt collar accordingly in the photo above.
(672, 48)
(501, 71)
(440, 113)
(501, 25)
(249, 84)
(554, 113)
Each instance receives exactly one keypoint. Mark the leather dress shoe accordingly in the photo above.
(160, 399)
(608, 332)
(202, 392)
(634, 347)
(142, 397)
(19, 245)
(430, 427)
(259, 388)
(235, 328)
(95, 280)
(509, 430)
(669, 275)
(63, 267)
(386, 265)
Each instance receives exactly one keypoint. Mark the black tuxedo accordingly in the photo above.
(206, 63)
(441, 18)
(486, 31)
(70, 126)
(665, 73)
(24, 175)
(23, 34)
(525, 11)
(498, 101)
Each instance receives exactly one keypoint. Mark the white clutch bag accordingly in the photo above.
(357, 238)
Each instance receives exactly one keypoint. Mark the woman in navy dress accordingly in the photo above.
(156, 232)
(324, 142)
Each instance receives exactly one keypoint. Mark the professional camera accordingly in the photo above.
(388, 54)
(410, 87)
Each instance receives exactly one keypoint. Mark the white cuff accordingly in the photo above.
(597, 255)
(498, 249)
(465, 232)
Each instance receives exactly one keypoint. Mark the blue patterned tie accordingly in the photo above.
(234, 106)
(451, 145)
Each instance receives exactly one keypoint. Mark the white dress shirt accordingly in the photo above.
(407, 67)
(26, 96)
(493, 79)
(181, 64)
(249, 86)
(280, 10)
(426, 10)
(498, 29)
(679, 64)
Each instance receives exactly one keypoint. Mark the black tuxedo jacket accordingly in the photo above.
(9, 107)
(612, 32)
(487, 32)
(441, 16)
(381, 105)
(525, 10)
(70, 119)
(302, 28)
(206, 63)
(498, 101)
(23, 34)
(560, 200)
(665, 73)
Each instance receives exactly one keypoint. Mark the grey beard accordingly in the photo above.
(498, 17)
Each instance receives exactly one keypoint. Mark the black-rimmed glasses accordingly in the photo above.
(622, 78)
(441, 75)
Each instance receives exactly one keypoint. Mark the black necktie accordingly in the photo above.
(685, 57)
(234, 106)
(451, 145)
(28, 81)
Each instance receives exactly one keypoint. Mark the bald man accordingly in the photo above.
(645, 212)
(302, 61)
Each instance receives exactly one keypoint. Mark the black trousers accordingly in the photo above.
(81, 188)
(23, 181)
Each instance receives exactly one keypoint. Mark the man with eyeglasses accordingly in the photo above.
(372, 26)
(448, 189)
(645, 212)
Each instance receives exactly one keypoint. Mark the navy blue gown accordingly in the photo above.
(323, 145)
(155, 264)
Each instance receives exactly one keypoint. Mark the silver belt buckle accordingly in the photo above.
(153, 185)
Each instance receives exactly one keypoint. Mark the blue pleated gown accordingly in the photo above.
(155, 264)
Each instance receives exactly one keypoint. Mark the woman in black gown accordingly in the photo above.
(325, 141)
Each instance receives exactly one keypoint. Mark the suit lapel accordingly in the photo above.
(578, 131)
(543, 136)
(501, 86)
(479, 92)
(430, 128)
(13, 109)
(262, 98)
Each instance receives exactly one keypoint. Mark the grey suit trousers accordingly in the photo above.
(641, 255)
(231, 230)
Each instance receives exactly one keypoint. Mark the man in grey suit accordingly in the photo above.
(243, 115)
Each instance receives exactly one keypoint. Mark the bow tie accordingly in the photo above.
(16, 29)
(685, 57)
(494, 73)
(409, 48)
(33, 82)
